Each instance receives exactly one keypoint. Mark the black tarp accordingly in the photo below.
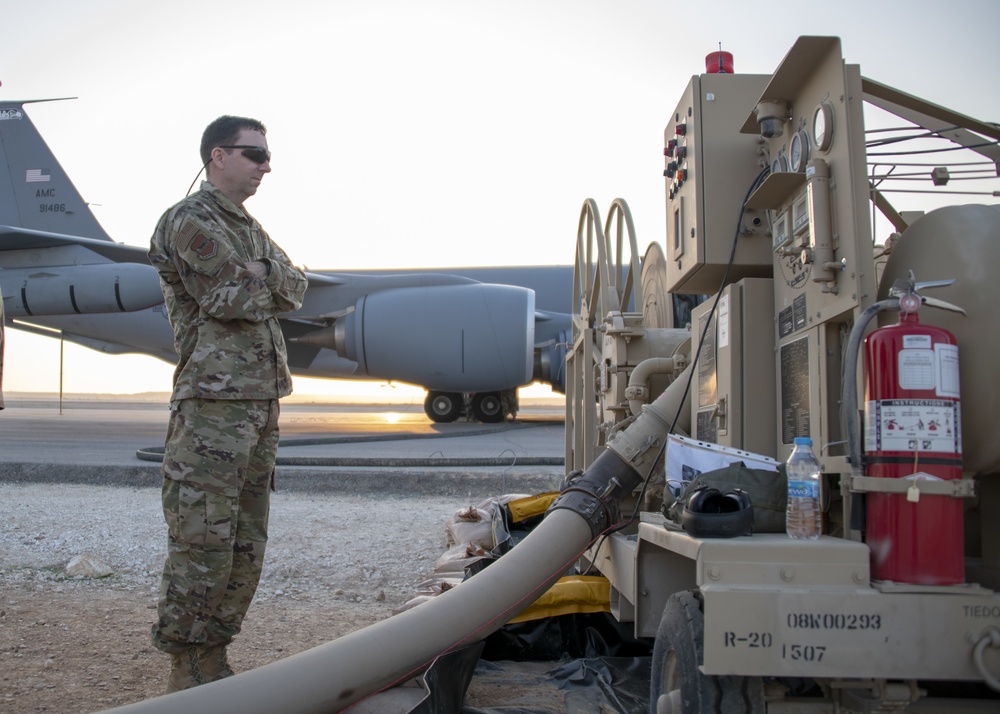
(593, 685)
(584, 663)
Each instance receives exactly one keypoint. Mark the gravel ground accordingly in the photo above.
(335, 563)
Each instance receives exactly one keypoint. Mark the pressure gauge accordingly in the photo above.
(780, 164)
(823, 126)
(798, 152)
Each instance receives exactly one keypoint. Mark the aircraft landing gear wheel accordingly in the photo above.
(443, 407)
(488, 408)
(676, 684)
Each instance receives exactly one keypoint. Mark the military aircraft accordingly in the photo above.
(471, 336)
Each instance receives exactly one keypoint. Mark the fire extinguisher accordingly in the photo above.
(913, 430)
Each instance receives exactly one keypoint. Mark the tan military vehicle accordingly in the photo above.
(771, 186)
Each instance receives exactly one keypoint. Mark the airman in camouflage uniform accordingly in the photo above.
(224, 282)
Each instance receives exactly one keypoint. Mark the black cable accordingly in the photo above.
(950, 178)
(911, 137)
(708, 322)
(718, 296)
(897, 164)
(925, 175)
(904, 128)
(196, 178)
(934, 151)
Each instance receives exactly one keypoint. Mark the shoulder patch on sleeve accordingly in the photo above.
(193, 238)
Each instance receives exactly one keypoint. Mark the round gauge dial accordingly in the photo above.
(823, 126)
(798, 152)
(780, 164)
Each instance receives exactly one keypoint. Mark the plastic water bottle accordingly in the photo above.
(803, 518)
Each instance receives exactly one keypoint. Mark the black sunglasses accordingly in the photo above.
(256, 154)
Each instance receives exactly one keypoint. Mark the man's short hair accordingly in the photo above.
(226, 130)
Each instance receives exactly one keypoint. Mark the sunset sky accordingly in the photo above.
(411, 134)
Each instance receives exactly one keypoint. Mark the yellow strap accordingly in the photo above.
(570, 594)
(522, 508)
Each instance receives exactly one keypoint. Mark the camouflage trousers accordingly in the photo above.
(218, 465)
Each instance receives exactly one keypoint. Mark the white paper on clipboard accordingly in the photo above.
(687, 457)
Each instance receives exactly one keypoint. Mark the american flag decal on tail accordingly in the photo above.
(36, 175)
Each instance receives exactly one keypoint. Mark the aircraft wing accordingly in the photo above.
(17, 238)
(446, 333)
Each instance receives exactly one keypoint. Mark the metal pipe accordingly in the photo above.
(637, 391)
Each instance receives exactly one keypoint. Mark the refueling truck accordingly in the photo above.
(883, 354)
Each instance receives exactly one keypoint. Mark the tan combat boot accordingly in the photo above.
(185, 670)
(214, 663)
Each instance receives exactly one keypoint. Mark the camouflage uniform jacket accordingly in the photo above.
(226, 331)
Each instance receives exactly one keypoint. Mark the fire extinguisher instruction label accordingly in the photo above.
(947, 362)
(917, 369)
(917, 342)
(929, 367)
(913, 425)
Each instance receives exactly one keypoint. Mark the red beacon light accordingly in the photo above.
(719, 62)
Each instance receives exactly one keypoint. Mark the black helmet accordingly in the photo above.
(710, 513)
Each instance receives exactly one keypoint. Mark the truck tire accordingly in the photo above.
(677, 686)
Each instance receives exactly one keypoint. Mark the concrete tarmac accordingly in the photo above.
(349, 448)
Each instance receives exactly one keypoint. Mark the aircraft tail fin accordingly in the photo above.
(35, 192)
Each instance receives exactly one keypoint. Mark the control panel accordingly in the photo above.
(809, 117)
(709, 170)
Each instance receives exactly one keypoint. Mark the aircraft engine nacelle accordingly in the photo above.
(80, 289)
(458, 338)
